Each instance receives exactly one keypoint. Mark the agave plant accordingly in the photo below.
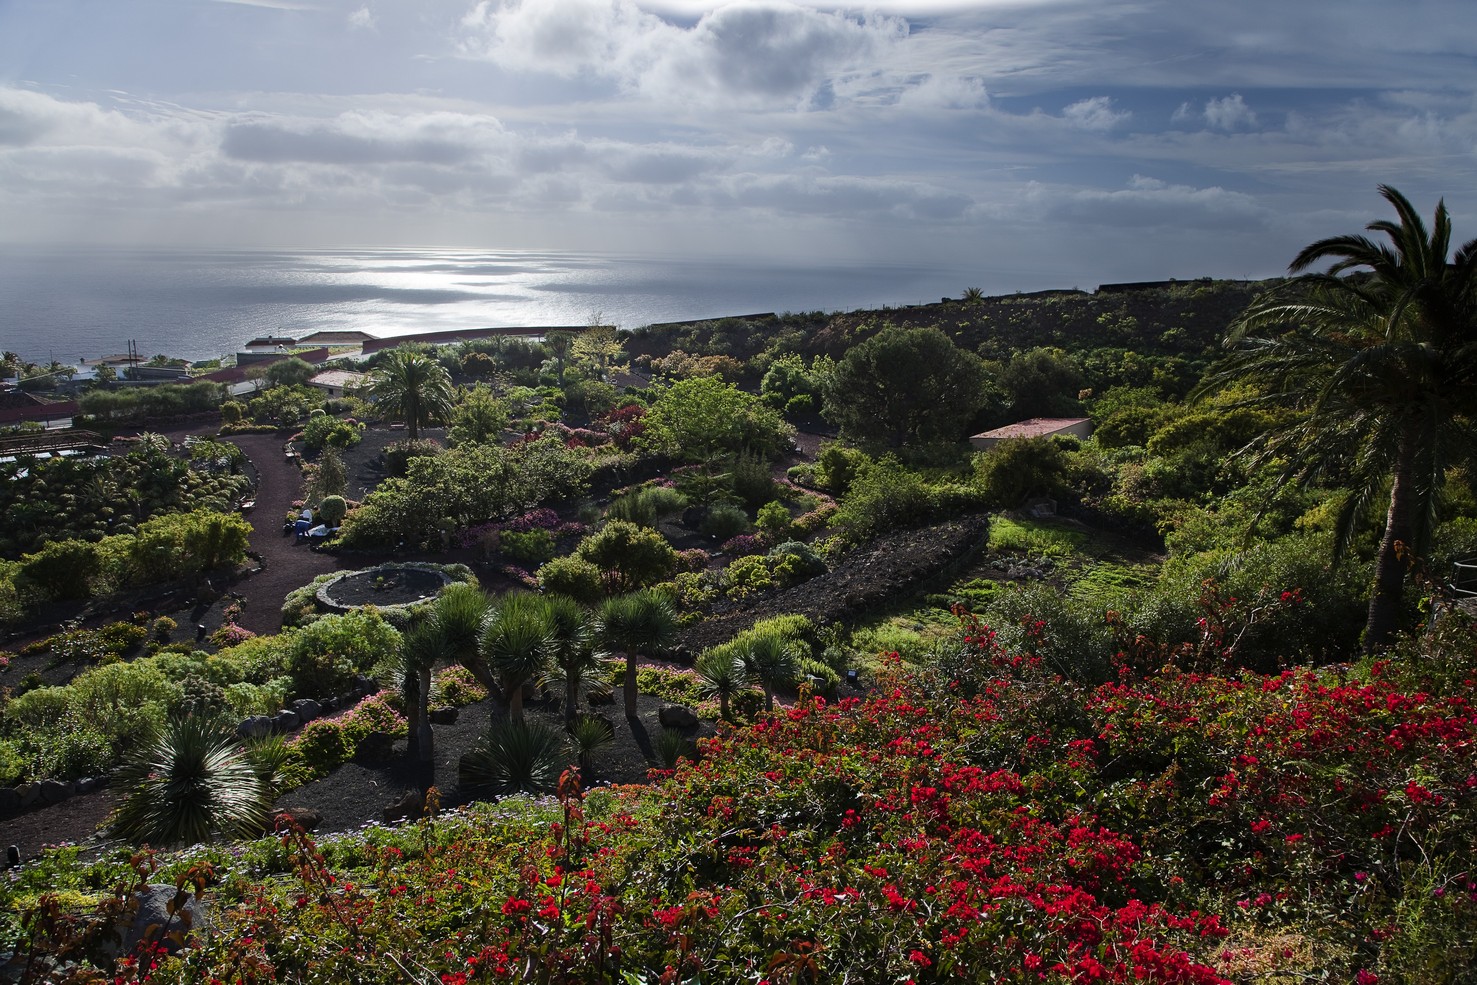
(588, 734)
(190, 783)
(671, 746)
(516, 757)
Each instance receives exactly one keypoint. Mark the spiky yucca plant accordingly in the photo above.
(190, 783)
(586, 735)
(516, 757)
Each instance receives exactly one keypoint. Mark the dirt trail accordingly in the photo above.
(286, 565)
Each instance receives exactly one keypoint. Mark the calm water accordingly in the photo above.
(70, 304)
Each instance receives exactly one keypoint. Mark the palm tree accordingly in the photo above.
(411, 385)
(420, 650)
(1379, 353)
(642, 622)
(515, 643)
(768, 658)
(571, 649)
(461, 610)
(189, 783)
(722, 674)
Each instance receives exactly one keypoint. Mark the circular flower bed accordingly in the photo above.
(385, 586)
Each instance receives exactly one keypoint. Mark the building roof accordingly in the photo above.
(339, 378)
(271, 340)
(336, 337)
(442, 338)
(237, 374)
(1035, 427)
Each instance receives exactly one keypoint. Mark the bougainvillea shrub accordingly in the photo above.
(988, 821)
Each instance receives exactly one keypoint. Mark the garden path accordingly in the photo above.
(286, 565)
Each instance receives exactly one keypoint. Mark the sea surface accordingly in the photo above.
(70, 304)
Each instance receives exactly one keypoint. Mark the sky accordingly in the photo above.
(1095, 139)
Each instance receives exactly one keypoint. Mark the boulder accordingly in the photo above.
(408, 808)
(255, 727)
(307, 709)
(88, 784)
(597, 698)
(10, 800)
(54, 791)
(444, 716)
(29, 793)
(304, 817)
(153, 922)
(285, 721)
(676, 716)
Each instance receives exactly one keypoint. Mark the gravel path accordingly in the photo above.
(286, 565)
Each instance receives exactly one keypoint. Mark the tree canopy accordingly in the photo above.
(905, 388)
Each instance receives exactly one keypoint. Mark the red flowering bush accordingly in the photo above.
(987, 821)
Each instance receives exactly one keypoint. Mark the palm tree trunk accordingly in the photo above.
(630, 687)
(413, 714)
(1389, 565)
(515, 704)
(426, 741)
(723, 705)
(571, 697)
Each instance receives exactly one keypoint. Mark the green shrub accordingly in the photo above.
(160, 629)
(573, 576)
(399, 454)
(528, 548)
(836, 465)
(322, 430)
(628, 556)
(323, 658)
(724, 521)
(63, 569)
(885, 496)
(12, 764)
(332, 510)
(773, 519)
(322, 746)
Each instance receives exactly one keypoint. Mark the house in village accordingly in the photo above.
(337, 382)
(1035, 427)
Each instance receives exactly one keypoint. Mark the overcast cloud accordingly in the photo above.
(1103, 139)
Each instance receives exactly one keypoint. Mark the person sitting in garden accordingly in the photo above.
(303, 524)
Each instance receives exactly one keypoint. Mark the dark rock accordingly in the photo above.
(304, 817)
(307, 709)
(598, 698)
(285, 721)
(255, 727)
(10, 800)
(408, 808)
(54, 791)
(29, 793)
(676, 716)
(87, 784)
(444, 716)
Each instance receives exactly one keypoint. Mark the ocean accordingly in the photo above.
(70, 304)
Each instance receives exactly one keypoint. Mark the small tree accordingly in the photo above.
(723, 675)
(289, 372)
(639, 623)
(516, 643)
(629, 556)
